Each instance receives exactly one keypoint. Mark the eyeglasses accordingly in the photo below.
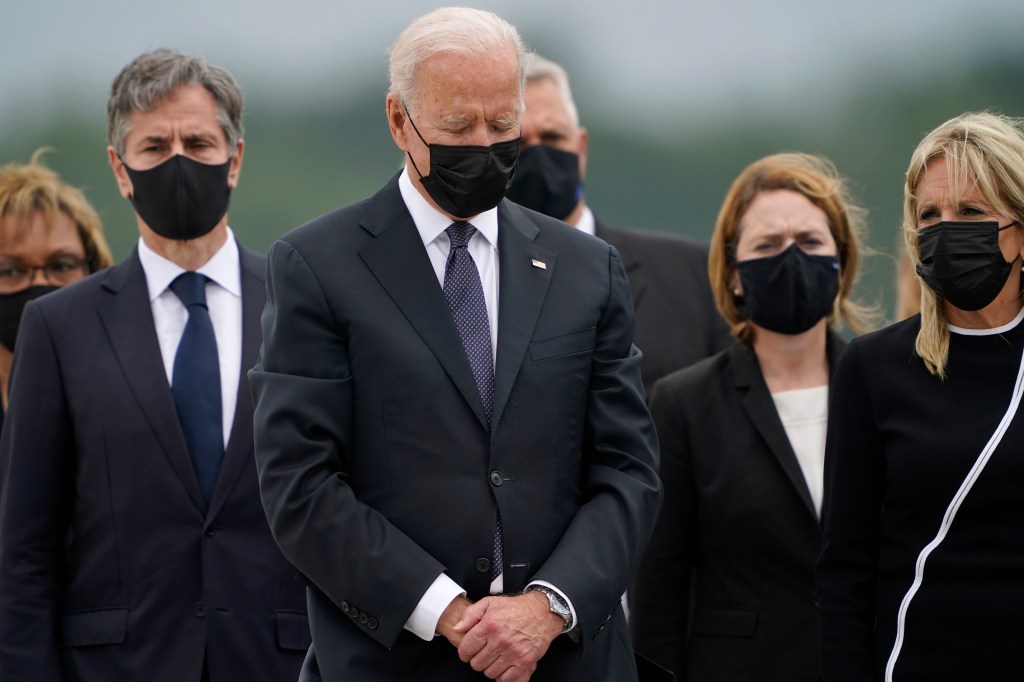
(16, 276)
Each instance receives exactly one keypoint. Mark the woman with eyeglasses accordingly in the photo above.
(50, 236)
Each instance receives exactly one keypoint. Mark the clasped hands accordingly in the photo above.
(501, 636)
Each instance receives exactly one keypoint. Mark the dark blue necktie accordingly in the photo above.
(195, 383)
(465, 296)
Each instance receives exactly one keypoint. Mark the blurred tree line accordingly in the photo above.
(300, 164)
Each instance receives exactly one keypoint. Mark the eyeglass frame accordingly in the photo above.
(30, 271)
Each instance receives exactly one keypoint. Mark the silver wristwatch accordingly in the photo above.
(559, 606)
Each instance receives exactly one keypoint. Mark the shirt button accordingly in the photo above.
(483, 565)
(199, 610)
(496, 478)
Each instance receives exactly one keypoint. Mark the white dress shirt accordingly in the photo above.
(224, 301)
(587, 223)
(483, 248)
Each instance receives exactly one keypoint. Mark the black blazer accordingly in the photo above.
(738, 522)
(677, 322)
(111, 566)
(376, 465)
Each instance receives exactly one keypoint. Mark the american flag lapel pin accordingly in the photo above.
(539, 264)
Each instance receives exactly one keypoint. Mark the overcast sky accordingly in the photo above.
(649, 63)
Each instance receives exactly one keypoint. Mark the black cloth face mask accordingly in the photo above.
(547, 180)
(12, 305)
(466, 180)
(181, 199)
(962, 263)
(790, 292)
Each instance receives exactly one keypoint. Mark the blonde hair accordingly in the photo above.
(26, 189)
(816, 178)
(980, 148)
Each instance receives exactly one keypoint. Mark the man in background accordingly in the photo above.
(133, 545)
(676, 319)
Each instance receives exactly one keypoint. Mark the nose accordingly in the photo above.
(39, 276)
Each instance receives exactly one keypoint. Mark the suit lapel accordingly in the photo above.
(128, 320)
(759, 406)
(397, 259)
(523, 287)
(240, 443)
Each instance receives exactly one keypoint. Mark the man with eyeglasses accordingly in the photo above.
(133, 545)
(50, 236)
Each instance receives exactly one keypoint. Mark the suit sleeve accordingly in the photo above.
(302, 386)
(851, 511)
(660, 599)
(37, 476)
(600, 550)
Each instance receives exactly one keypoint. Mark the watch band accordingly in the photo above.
(557, 604)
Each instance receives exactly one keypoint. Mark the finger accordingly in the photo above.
(516, 674)
(473, 614)
(489, 663)
(471, 645)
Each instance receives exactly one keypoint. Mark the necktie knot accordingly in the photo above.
(190, 288)
(459, 233)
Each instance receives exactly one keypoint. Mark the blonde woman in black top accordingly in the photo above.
(920, 576)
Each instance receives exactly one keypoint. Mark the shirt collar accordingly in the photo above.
(430, 222)
(586, 223)
(223, 268)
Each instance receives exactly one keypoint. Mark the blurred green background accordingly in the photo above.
(318, 139)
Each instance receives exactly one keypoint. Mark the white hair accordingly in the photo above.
(458, 30)
(541, 68)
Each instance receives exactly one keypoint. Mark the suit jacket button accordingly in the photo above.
(372, 623)
(363, 619)
(343, 606)
(496, 478)
(210, 532)
(483, 565)
(199, 610)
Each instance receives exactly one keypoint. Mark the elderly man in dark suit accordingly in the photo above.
(677, 323)
(451, 433)
(133, 544)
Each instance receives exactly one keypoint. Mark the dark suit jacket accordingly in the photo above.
(376, 465)
(111, 566)
(738, 519)
(677, 322)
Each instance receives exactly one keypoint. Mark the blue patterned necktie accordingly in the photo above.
(195, 383)
(465, 296)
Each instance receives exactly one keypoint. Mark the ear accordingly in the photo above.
(584, 145)
(397, 117)
(236, 164)
(124, 183)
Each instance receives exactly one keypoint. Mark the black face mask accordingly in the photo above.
(962, 263)
(547, 180)
(466, 180)
(790, 292)
(12, 306)
(181, 199)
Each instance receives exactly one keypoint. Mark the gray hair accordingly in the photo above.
(458, 30)
(540, 69)
(153, 76)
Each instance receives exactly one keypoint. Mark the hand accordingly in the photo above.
(450, 617)
(504, 637)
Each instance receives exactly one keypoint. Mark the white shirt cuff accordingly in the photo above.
(544, 583)
(424, 618)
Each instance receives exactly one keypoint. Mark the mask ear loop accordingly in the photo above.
(409, 116)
